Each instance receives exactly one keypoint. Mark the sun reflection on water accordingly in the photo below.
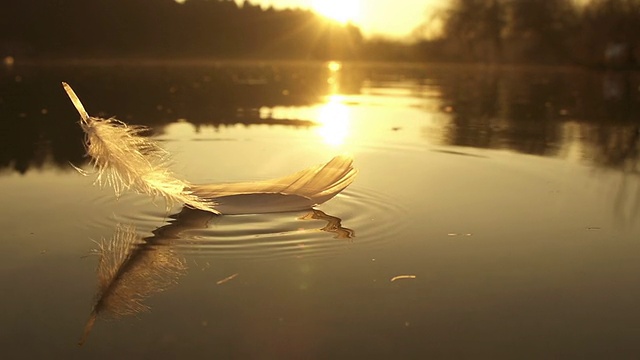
(334, 116)
(334, 119)
(334, 66)
(333, 80)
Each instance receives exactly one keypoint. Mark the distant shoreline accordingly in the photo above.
(208, 62)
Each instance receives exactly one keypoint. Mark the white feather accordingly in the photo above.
(125, 160)
(298, 191)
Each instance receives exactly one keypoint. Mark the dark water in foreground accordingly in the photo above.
(495, 214)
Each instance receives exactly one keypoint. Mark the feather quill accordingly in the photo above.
(129, 271)
(123, 160)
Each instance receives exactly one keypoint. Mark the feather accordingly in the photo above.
(129, 271)
(299, 191)
(123, 160)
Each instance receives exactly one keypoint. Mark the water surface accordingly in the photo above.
(508, 198)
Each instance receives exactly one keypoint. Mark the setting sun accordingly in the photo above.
(339, 10)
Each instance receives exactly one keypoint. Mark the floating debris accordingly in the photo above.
(228, 278)
(400, 277)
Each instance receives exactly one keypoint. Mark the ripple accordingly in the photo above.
(130, 208)
(357, 218)
(353, 220)
(376, 216)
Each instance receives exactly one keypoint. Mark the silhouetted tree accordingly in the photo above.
(607, 25)
(538, 31)
(165, 28)
(474, 28)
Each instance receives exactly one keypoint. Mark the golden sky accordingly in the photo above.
(374, 17)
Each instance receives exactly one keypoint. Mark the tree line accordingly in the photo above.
(166, 28)
(595, 32)
(586, 32)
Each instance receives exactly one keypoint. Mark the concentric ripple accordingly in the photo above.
(355, 218)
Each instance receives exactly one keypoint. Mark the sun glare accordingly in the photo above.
(334, 120)
(340, 10)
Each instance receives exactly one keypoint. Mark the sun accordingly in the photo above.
(340, 10)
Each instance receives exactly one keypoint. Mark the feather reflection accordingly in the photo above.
(334, 224)
(131, 268)
(129, 271)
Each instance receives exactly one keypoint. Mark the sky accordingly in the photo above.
(393, 19)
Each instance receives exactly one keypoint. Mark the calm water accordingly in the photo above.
(508, 199)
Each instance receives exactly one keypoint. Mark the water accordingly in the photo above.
(509, 199)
